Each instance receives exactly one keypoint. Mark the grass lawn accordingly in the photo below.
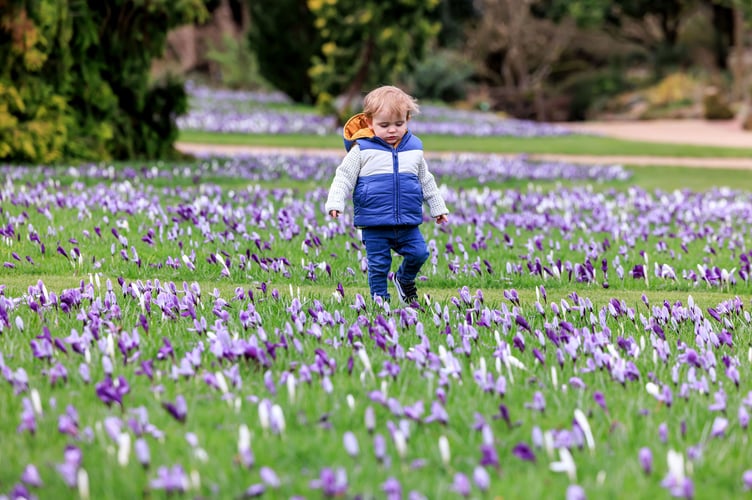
(566, 329)
(573, 144)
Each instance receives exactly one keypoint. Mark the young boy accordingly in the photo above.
(388, 177)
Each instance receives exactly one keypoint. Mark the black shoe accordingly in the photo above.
(407, 292)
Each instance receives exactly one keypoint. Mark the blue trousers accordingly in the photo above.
(379, 242)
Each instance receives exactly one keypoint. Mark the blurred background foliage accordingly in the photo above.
(75, 78)
(104, 80)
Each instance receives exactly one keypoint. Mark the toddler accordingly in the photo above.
(388, 177)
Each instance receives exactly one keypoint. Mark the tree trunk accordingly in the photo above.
(358, 81)
(739, 49)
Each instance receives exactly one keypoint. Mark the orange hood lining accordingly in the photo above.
(357, 128)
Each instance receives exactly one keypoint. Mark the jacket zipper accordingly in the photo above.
(395, 166)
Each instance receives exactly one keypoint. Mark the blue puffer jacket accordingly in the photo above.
(388, 191)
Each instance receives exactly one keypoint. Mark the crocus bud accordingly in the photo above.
(124, 448)
(646, 460)
(444, 452)
(82, 480)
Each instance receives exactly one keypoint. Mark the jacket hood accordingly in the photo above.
(356, 128)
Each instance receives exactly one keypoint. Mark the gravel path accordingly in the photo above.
(727, 133)
(695, 132)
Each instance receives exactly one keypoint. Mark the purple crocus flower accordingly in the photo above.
(269, 477)
(68, 422)
(539, 356)
(332, 483)
(719, 404)
(461, 484)
(166, 350)
(438, 414)
(747, 480)
(42, 348)
(719, 426)
(743, 417)
(600, 399)
(481, 478)
(110, 391)
(418, 463)
(57, 372)
(68, 470)
(28, 418)
(379, 447)
(170, 479)
(522, 322)
(178, 409)
(503, 414)
(694, 453)
(392, 489)
(577, 383)
(575, 492)
(84, 373)
(351, 444)
(489, 457)
(370, 419)
(538, 403)
(31, 477)
(646, 460)
(254, 491)
(147, 368)
(524, 452)
(21, 492)
(663, 432)
(143, 455)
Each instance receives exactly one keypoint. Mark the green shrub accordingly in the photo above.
(238, 66)
(74, 79)
(715, 106)
(590, 91)
(442, 76)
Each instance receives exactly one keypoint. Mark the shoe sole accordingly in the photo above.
(401, 293)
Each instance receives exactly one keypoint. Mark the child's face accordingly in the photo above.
(389, 126)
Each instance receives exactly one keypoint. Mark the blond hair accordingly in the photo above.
(390, 99)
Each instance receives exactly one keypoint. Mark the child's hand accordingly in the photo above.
(442, 219)
(334, 214)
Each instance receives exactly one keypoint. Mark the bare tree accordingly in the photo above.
(518, 50)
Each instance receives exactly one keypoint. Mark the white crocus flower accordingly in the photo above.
(36, 402)
(400, 443)
(675, 462)
(222, 382)
(565, 464)
(291, 385)
(554, 376)
(653, 389)
(244, 438)
(195, 480)
(548, 443)
(278, 418)
(263, 413)
(82, 480)
(444, 452)
(582, 421)
(124, 448)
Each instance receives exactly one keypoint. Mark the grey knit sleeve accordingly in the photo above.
(431, 193)
(344, 180)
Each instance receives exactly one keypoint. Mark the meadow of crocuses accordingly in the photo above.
(213, 110)
(202, 330)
